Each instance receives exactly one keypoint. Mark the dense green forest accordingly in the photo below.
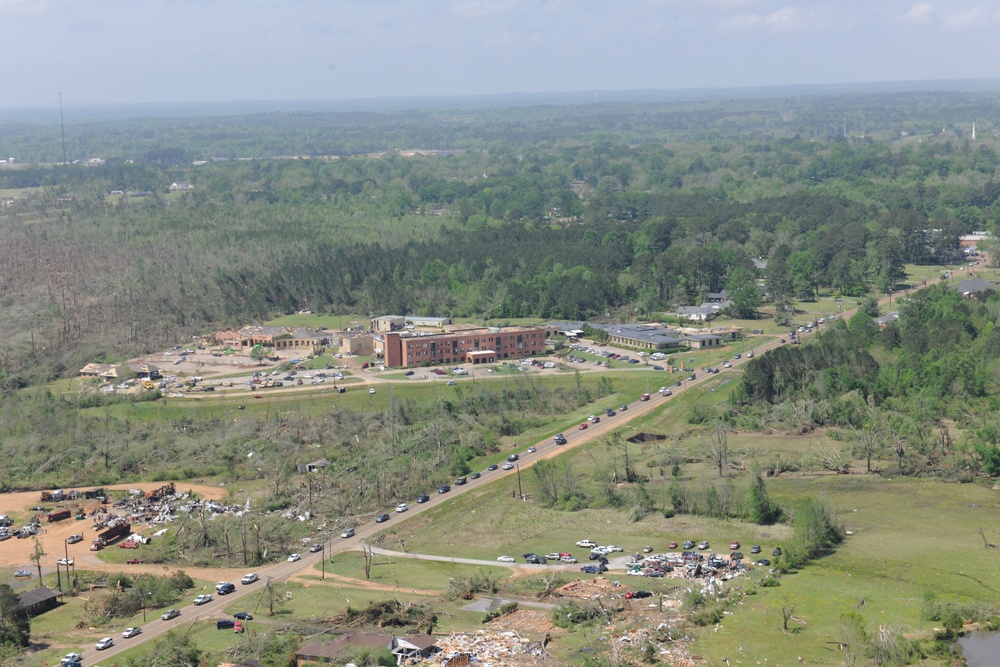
(553, 212)
(894, 392)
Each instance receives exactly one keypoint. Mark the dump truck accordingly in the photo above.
(52, 517)
(109, 535)
(53, 496)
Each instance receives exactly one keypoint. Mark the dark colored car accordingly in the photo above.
(513, 457)
(536, 559)
(225, 589)
(408, 373)
(657, 368)
(623, 408)
(243, 616)
(776, 552)
(638, 595)
(382, 518)
(224, 624)
(444, 488)
(610, 413)
(423, 499)
(689, 544)
(492, 467)
(755, 549)
(763, 561)
(736, 555)
(460, 481)
(475, 475)
(590, 569)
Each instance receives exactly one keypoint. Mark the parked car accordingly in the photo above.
(107, 642)
(128, 633)
(590, 569)
(736, 555)
(249, 578)
(238, 626)
(349, 532)
(382, 518)
(672, 545)
(776, 552)
(689, 544)
(506, 559)
(734, 545)
(755, 549)
(703, 545)
(586, 544)
(763, 561)
(636, 573)
(169, 614)
(638, 595)
(243, 616)
(224, 624)
(566, 559)
(203, 599)
(535, 559)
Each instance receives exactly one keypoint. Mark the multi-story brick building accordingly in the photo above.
(480, 346)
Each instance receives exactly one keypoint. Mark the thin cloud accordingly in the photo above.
(784, 20)
(18, 8)
(970, 18)
(919, 13)
(475, 9)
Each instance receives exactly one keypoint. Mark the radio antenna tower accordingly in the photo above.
(62, 127)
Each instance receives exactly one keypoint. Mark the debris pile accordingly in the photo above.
(587, 589)
(492, 649)
(525, 621)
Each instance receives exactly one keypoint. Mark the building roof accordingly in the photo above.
(334, 648)
(704, 336)
(37, 595)
(421, 318)
(891, 316)
(422, 641)
(650, 333)
(973, 285)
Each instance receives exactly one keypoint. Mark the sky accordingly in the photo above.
(119, 52)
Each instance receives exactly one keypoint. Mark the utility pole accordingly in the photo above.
(519, 492)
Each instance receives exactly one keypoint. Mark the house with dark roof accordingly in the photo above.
(974, 286)
(326, 652)
(38, 600)
(650, 336)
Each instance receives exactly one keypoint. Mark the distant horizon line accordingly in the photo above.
(514, 98)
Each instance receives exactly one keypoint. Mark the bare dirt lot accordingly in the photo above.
(16, 553)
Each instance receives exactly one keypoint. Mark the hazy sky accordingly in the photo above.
(138, 51)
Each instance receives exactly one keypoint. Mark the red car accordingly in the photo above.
(734, 545)
(134, 561)
(672, 545)
(583, 426)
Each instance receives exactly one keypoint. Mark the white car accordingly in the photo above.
(70, 658)
(64, 561)
(567, 559)
(402, 507)
(203, 599)
(372, 390)
(294, 557)
(586, 543)
(508, 466)
(532, 450)
(506, 559)
(249, 578)
(611, 548)
(131, 632)
(107, 642)
(636, 573)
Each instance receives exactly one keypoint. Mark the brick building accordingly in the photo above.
(480, 346)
